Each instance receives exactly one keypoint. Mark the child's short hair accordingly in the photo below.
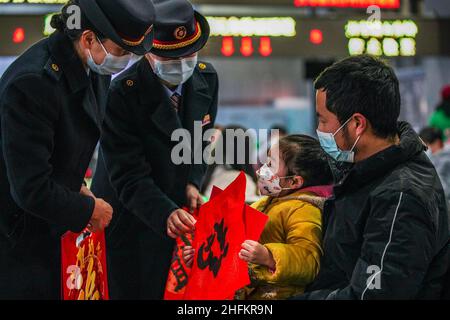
(304, 156)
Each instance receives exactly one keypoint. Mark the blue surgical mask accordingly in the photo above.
(329, 145)
(110, 65)
(175, 72)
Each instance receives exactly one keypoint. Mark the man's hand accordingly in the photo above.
(180, 222)
(86, 192)
(256, 253)
(188, 255)
(101, 216)
(194, 199)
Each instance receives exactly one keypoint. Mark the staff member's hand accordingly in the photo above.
(180, 222)
(194, 198)
(101, 216)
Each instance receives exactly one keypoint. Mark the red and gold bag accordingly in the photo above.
(179, 272)
(217, 271)
(232, 222)
(83, 266)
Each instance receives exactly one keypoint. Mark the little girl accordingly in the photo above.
(295, 182)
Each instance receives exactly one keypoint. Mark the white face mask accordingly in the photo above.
(175, 72)
(268, 182)
(110, 65)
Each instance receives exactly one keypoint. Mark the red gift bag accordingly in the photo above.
(205, 286)
(179, 272)
(217, 271)
(254, 220)
(83, 266)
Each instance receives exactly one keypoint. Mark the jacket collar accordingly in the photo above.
(196, 100)
(385, 161)
(314, 195)
(63, 54)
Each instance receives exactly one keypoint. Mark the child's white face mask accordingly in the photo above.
(268, 182)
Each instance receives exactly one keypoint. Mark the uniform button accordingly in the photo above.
(202, 66)
(130, 83)
(55, 67)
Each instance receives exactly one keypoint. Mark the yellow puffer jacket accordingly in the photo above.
(293, 235)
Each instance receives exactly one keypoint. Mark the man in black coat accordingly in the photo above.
(386, 228)
(51, 115)
(156, 104)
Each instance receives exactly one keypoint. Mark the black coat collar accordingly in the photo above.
(196, 100)
(381, 163)
(63, 54)
(69, 65)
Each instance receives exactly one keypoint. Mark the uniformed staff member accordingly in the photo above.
(167, 90)
(51, 115)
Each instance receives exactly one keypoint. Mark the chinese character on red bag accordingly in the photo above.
(223, 225)
(83, 266)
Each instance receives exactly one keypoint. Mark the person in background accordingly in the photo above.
(433, 138)
(295, 182)
(221, 175)
(439, 154)
(51, 110)
(440, 118)
(167, 91)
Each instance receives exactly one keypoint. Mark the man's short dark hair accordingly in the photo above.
(431, 135)
(363, 84)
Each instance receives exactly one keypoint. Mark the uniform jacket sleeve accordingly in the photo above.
(297, 260)
(198, 170)
(129, 171)
(397, 249)
(28, 119)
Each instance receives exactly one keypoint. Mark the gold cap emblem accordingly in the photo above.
(180, 33)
